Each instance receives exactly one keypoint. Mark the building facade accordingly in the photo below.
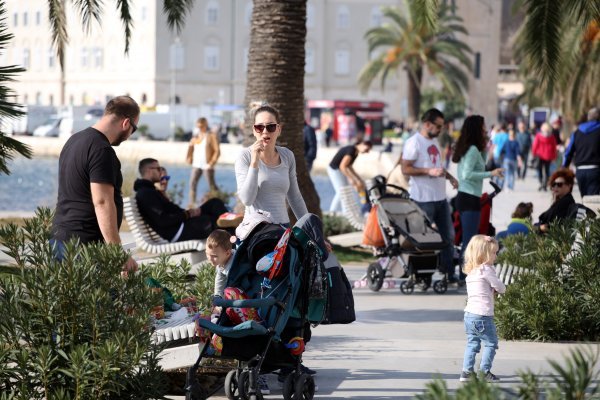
(206, 63)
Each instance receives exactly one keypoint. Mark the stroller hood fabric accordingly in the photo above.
(312, 226)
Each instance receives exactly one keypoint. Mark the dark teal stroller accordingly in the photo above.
(286, 305)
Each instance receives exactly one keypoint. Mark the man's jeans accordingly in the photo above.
(439, 212)
(338, 180)
(480, 328)
(58, 248)
(588, 181)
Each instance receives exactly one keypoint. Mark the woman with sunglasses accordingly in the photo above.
(561, 185)
(266, 173)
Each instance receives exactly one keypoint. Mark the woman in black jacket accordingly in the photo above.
(561, 185)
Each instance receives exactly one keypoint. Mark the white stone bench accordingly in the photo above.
(351, 208)
(150, 241)
(507, 273)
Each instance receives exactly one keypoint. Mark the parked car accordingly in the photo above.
(50, 128)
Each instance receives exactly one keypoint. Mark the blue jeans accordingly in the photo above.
(510, 169)
(588, 181)
(439, 213)
(480, 328)
(498, 181)
(469, 222)
(59, 249)
(338, 180)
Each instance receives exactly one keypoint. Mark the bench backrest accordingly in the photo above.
(142, 232)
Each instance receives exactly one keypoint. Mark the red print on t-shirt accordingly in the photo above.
(434, 154)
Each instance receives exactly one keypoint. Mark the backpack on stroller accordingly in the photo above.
(411, 245)
(277, 306)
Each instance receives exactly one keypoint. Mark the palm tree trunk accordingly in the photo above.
(276, 75)
(414, 92)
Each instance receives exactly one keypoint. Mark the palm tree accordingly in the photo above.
(416, 44)
(8, 108)
(542, 38)
(276, 75)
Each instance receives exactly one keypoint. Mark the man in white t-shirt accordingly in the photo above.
(422, 162)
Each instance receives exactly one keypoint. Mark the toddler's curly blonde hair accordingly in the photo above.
(480, 250)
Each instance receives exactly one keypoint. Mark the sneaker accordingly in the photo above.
(465, 376)
(491, 377)
(263, 386)
(229, 220)
(306, 370)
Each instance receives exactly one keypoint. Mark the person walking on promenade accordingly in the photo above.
(169, 220)
(584, 151)
(511, 155)
(422, 162)
(524, 139)
(482, 284)
(544, 148)
(310, 145)
(203, 154)
(469, 153)
(497, 141)
(341, 172)
(90, 204)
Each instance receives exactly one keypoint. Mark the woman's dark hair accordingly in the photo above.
(564, 173)
(523, 210)
(367, 143)
(471, 134)
(267, 108)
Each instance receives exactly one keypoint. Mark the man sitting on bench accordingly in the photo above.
(169, 220)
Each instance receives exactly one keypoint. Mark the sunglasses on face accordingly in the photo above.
(165, 178)
(133, 125)
(259, 128)
(557, 184)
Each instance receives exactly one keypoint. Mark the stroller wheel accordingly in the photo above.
(244, 388)
(305, 387)
(440, 286)
(407, 288)
(375, 276)
(232, 390)
(289, 387)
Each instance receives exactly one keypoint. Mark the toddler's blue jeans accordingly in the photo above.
(480, 329)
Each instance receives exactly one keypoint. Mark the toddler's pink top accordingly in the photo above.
(481, 283)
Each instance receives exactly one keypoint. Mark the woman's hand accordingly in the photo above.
(498, 172)
(256, 149)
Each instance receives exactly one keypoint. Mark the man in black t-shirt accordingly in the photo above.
(90, 204)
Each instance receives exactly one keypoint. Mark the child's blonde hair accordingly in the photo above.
(480, 250)
(219, 238)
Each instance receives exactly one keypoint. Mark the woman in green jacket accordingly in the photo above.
(470, 156)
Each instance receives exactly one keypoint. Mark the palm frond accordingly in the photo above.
(176, 11)
(369, 72)
(424, 14)
(58, 27)
(126, 19)
(584, 11)
(541, 40)
(89, 10)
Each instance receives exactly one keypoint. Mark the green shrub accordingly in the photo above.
(557, 299)
(74, 329)
(336, 225)
(577, 379)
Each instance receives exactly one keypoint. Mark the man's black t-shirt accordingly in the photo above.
(87, 157)
(344, 151)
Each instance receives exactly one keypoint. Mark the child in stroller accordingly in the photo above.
(278, 302)
(410, 245)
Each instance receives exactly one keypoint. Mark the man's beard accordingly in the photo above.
(123, 136)
(432, 135)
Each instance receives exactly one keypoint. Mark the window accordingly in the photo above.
(26, 58)
(248, 14)
(376, 17)
(38, 17)
(342, 62)
(84, 57)
(38, 98)
(25, 18)
(211, 58)
(310, 16)
(144, 13)
(51, 58)
(309, 67)
(212, 13)
(51, 100)
(245, 60)
(343, 17)
(15, 19)
(98, 58)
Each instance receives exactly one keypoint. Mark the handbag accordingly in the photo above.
(535, 162)
(372, 235)
(340, 301)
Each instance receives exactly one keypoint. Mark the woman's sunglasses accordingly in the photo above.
(165, 178)
(557, 184)
(259, 128)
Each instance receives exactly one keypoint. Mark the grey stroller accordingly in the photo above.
(412, 245)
